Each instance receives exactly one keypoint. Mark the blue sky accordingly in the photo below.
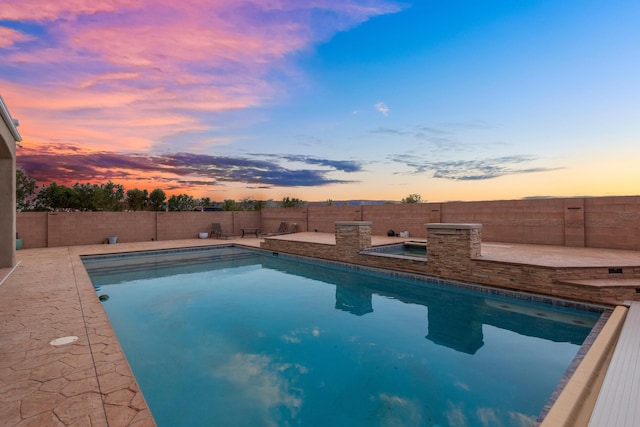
(327, 99)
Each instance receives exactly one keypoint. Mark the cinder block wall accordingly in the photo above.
(515, 221)
(323, 218)
(270, 219)
(409, 217)
(32, 227)
(188, 225)
(599, 222)
(52, 229)
(612, 222)
(86, 228)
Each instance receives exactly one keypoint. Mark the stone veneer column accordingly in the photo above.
(450, 247)
(352, 237)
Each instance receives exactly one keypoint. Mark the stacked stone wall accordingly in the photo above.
(453, 252)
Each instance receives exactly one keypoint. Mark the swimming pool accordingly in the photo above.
(233, 336)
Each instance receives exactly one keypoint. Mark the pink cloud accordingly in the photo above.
(131, 75)
(39, 10)
(10, 36)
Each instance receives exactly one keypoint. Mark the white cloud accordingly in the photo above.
(263, 382)
(382, 107)
(455, 416)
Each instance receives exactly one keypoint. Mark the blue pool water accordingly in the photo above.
(236, 337)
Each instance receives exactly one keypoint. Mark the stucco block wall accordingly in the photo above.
(32, 227)
(574, 225)
(600, 222)
(272, 217)
(188, 225)
(516, 221)
(409, 217)
(82, 228)
(323, 218)
(612, 222)
(52, 229)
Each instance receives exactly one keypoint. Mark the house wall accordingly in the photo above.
(8, 137)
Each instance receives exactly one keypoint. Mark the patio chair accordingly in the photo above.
(216, 230)
(281, 230)
(292, 228)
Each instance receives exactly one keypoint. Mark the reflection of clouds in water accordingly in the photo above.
(521, 420)
(488, 417)
(462, 385)
(396, 411)
(455, 416)
(293, 336)
(289, 339)
(265, 383)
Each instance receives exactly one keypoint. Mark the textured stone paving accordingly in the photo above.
(89, 382)
(84, 383)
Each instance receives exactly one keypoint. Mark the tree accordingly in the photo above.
(108, 197)
(247, 204)
(25, 190)
(55, 197)
(137, 199)
(182, 202)
(230, 205)
(84, 196)
(156, 199)
(291, 202)
(412, 198)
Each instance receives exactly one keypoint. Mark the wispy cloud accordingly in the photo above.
(470, 170)
(382, 108)
(443, 137)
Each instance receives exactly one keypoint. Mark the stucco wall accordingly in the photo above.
(600, 222)
(52, 229)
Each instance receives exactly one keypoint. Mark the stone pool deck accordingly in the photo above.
(48, 295)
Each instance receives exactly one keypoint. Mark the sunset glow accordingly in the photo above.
(327, 99)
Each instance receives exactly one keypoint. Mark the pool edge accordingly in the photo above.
(574, 405)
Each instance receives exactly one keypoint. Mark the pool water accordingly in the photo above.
(414, 249)
(237, 337)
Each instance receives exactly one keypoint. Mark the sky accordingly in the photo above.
(328, 99)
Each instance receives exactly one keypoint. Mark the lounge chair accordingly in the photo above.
(292, 228)
(281, 230)
(216, 230)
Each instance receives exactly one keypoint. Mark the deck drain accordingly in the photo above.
(64, 340)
